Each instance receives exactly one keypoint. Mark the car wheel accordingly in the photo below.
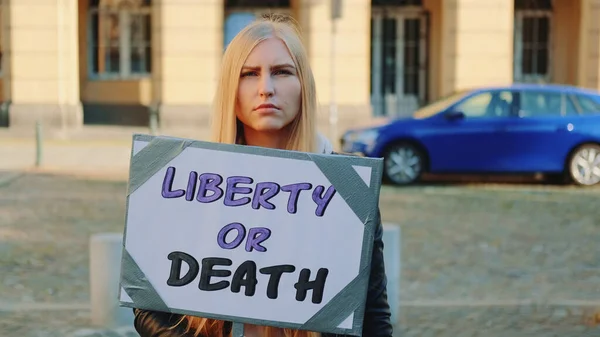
(403, 164)
(584, 165)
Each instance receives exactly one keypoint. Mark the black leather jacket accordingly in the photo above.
(377, 310)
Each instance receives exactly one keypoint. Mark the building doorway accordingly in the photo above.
(532, 41)
(398, 59)
(240, 13)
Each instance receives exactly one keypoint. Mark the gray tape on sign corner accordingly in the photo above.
(350, 186)
(152, 158)
(138, 287)
(341, 305)
(363, 200)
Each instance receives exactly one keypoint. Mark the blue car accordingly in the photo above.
(519, 129)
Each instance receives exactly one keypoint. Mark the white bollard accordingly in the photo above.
(391, 256)
(105, 271)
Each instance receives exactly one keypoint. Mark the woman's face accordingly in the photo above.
(269, 93)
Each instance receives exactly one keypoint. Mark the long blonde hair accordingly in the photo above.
(227, 129)
(225, 126)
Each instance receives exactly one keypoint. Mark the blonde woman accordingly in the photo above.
(266, 97)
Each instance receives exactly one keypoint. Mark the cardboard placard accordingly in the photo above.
(248, 234)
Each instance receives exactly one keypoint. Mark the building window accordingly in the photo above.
(535, 45)
(397, 3)
(533, 39)
(1, 35)
(389, 55)
(240, 13)
(533, 5)
(120, 38)
(398, 60)
(412, 57)
(257, 3)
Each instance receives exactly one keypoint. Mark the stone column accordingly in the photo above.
(477, 43)
(42, 80)
(589, 45)
(188, 43)
(351, 63)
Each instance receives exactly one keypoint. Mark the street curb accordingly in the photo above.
(121, 175)
(13, 174)
(69, 142)
(12, 177)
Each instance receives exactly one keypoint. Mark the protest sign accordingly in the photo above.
(248, 234)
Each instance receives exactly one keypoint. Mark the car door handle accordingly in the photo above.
(565, 128)
(504, 128)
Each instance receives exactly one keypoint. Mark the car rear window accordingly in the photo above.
(589, 104)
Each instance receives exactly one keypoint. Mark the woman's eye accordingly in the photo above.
(283, 72)
(249, 73)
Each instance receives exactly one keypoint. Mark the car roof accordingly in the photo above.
(542, 87)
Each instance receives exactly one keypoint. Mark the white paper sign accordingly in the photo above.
(253, 238)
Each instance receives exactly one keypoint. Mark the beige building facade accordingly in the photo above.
(74, 62)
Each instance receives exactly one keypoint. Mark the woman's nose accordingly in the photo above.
(266, 87)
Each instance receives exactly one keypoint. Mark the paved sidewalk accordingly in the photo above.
(484, 244)
(98, 150)
(506, 250)
(105, 151)
(94, 133)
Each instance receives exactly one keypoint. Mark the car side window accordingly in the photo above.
(588, 105)
(540, 104)
(489, 104)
